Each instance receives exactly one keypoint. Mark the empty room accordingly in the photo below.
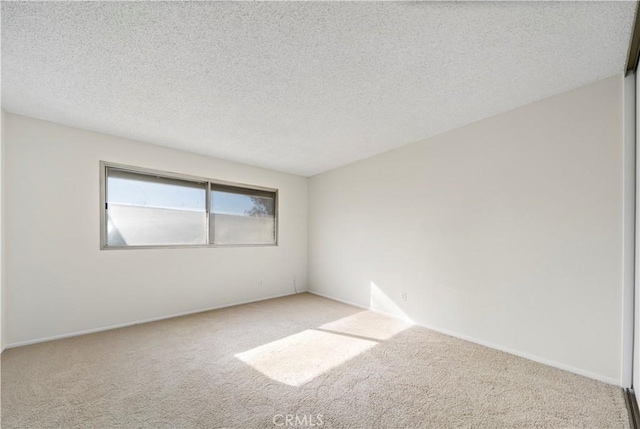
(319, 214)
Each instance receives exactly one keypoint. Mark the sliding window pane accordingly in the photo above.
(145, 210)
(242, 216)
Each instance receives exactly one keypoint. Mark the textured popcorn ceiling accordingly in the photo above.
(298, 87)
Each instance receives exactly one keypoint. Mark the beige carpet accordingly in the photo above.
(328, 364)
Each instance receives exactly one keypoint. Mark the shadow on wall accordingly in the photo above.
(299, 358)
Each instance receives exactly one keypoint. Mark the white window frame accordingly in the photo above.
(104, 165)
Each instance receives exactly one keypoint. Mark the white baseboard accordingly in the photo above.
(353, 304)
(364, 307)
(525, 355)
(139, 322)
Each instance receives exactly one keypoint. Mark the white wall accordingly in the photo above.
(507, 231)
(58, 280)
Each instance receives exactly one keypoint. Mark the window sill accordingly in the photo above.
(185, 246)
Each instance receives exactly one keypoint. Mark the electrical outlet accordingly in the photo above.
(404, 296)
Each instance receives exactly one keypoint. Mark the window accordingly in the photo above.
(144, 208)
(242, 216)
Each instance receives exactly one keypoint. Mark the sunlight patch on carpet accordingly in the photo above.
(299, 358)
(368, 324)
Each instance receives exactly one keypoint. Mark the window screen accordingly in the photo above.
(145, 210)
(242, 216)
